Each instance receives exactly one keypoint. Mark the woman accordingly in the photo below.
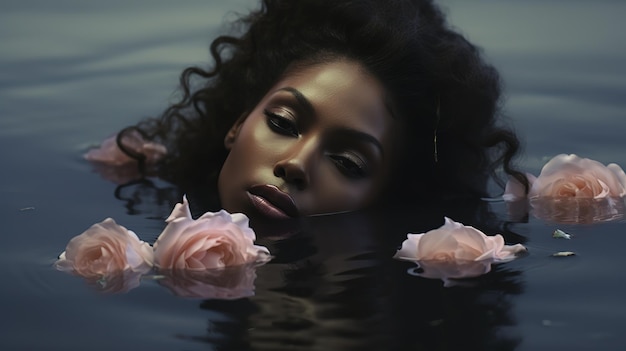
(325, 106)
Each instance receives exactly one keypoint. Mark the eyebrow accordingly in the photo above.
(302, 100)
(358, 135)
(353, 133)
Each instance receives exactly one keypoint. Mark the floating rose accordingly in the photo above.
(211, 257)
(455, 251)
(110, 154)
(571, 189)
(115, 165)
(223, 283)
(215, 240)
(572, 176)
(105, 249)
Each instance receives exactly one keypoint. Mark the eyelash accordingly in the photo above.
(350, 166)
(280, 124)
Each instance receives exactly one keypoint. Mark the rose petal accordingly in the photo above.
(215, 239)
(510, 252)
(514, 190)
(181, 210)
(570, 175)
(103, 249)
(472, 244)
(455, 251)
(110, 154)
(621, 178)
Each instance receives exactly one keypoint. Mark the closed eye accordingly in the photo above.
(281, 124)
(349, 165)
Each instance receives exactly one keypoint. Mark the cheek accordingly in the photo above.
(365, 191)
(336, 193)
(246, 149)
(250, 156)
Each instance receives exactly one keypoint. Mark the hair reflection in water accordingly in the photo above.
(148, 196)
(333, 285)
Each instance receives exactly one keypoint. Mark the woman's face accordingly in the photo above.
(318, 142)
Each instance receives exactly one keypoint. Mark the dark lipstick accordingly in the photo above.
(272, 202)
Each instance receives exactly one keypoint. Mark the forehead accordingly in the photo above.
(343, 91)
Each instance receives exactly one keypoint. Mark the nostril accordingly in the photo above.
(279, 172)
(292, 175)
(293, 171)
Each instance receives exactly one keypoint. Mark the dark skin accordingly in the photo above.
(319, 142)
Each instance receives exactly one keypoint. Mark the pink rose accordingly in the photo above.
(571, 189)
(572, 176)
(116, 166)
(110, 154)
(105, 249)
(223, 283)
(214, 240)
(456, 251)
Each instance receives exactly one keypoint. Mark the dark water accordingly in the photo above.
(72, 73)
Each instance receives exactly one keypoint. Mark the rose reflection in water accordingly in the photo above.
(119, 282)
(568, 210)
(578, 210)
(446, 271)
(227, 283)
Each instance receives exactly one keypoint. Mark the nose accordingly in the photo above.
(295, 168)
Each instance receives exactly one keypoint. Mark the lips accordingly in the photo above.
(272, 202)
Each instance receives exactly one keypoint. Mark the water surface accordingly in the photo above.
(73, 73)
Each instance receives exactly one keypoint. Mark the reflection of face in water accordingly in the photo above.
(318, 142)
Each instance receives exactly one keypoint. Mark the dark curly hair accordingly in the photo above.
(445, 94)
